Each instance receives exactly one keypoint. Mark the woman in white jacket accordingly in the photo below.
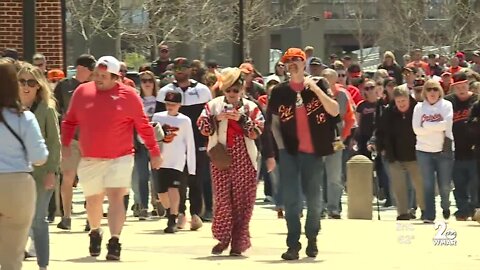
(432, 123)
(235, 122)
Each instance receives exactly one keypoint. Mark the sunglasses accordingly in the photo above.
(30, 83)
(147, 80)
(342, 75)
(123, 71)
(280, 65)
(368, 88)
(430, 89)
(293, 59)
(179, 69)
(164, 51)
(234, 90)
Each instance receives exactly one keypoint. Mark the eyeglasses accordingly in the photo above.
(368, 88)
(430, 89)
(30, 83)
(147, 80)
(234, 90)
(293, 59)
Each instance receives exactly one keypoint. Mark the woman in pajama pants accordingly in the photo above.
(234, 122)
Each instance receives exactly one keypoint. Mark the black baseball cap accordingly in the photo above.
(11, 53)
(86, 60)
(173, 97)
(181, 62)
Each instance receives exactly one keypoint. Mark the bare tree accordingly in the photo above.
(408, 24)
(260, 17)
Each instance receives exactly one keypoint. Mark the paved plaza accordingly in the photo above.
(343, 244)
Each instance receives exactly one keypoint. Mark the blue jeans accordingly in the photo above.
(277, 188)
(440, 164)
(297, 173)
(333, 170)
(40, 224)
(465, 178)
(142, 159)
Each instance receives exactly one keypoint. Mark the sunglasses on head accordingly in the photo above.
(430, 89)
(293, 59)
(234, 90)
(368, 88)
(30, 83)
(147, 80)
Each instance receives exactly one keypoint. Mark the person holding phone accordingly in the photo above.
(234, 122)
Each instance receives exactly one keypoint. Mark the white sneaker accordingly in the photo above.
(181, 221)
(31, 249)
(196, 223)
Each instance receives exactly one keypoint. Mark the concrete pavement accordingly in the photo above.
(343, 244)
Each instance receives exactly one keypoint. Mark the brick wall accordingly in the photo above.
(48, 29)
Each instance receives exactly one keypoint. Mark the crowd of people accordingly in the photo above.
(209, 134)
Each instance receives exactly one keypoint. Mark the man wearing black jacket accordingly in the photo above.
(299, 114)
(465, 176)
(396, 139)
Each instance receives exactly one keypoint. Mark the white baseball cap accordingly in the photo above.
(111, 64)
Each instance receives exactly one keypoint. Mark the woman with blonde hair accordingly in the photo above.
(234, 123)
(37, 97)
(432, 123)
(393, 68)
(21, 146)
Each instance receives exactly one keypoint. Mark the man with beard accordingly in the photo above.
(194, 97)
(300, 114)
(160, 65)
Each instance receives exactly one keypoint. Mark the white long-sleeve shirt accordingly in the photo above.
(182, 148)
(431, 124)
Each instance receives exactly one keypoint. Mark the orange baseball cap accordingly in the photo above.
(294, 52)
(55, 75)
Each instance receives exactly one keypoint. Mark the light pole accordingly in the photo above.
(240, 31)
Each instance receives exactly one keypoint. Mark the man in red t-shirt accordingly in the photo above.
(106, 112)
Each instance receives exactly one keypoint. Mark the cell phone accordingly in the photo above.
(228, 108)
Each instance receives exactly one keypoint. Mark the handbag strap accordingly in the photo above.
(15, 135)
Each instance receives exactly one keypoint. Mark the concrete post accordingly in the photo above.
(359, 187)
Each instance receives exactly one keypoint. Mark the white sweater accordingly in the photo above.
(182, 148)
(431, 123)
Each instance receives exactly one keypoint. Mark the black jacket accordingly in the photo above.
(322, 125)
(394, 71)
(473, 127)
(396, 133)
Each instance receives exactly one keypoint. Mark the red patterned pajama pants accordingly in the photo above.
(234, 195)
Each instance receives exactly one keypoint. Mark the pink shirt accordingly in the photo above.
(106, 120)
(303, 128)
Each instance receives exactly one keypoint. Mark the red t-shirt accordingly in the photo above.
(303, 128)
(355, 94)
(106, 119)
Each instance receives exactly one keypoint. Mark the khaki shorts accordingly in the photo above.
(95, 175)
(71, 163)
